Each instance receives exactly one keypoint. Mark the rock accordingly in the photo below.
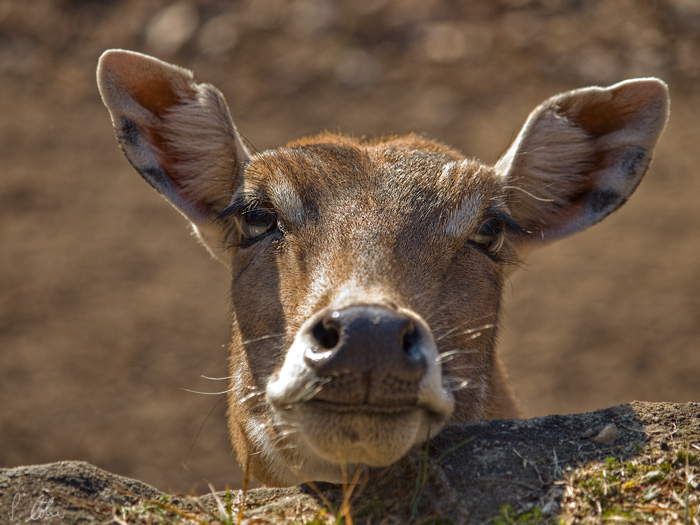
(608, 435)
(468, 473)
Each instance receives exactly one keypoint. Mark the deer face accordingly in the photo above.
(366, 274)
(360, 320)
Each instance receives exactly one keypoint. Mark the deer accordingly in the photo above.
(367, 273)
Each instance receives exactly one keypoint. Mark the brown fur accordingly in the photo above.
(403, 226)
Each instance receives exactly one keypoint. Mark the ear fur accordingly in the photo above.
(581, 154)
(176, 133)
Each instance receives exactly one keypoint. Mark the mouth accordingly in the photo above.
(340, 409)
(365, 408)
(374, 436)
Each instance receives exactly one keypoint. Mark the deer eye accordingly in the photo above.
(489, 236)
(257, 222)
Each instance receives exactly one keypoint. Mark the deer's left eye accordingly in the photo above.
(257, 222)
(489, 236)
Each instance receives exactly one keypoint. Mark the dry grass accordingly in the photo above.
(658, 486)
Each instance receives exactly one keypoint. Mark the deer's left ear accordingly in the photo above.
(177, 134)
(581, 154)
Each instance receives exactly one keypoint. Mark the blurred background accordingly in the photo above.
(110, 311)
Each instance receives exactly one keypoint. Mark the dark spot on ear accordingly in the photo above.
(604, 201)
(129, 132)
(156, 176)
(635, 162)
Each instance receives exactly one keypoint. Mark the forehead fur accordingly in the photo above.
(386, 172)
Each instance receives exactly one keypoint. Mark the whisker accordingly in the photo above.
(207, 393)
(309, 391)
(449, 356)
(262, 338)
(466, 332)
(217, 378)
(461, 385)
(287, 432)
(540, 199)
(451, 353)
(251, 396)
(465, 367)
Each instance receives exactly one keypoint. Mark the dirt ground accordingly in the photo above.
(110, 312)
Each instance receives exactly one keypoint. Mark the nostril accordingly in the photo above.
(327, 333)
(408, 337)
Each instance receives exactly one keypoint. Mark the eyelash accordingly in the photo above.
(489, 236)
(246, 212)
(256, 222)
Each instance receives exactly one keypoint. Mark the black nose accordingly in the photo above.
(367, 339)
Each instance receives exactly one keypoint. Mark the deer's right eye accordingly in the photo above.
(257, 222)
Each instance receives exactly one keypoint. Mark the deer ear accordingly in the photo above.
(581, 154)
(177, 134)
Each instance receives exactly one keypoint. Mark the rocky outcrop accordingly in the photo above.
(556, 465)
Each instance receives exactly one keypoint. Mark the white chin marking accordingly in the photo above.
(373, 439)
(326, 442)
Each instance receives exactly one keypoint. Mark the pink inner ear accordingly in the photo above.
(618, 109)
(155, 94)
(149, 84)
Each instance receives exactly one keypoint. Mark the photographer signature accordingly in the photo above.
(40, 510)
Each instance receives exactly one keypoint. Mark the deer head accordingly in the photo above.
(366, 275)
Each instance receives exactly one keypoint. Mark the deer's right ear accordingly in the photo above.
(177, 134)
